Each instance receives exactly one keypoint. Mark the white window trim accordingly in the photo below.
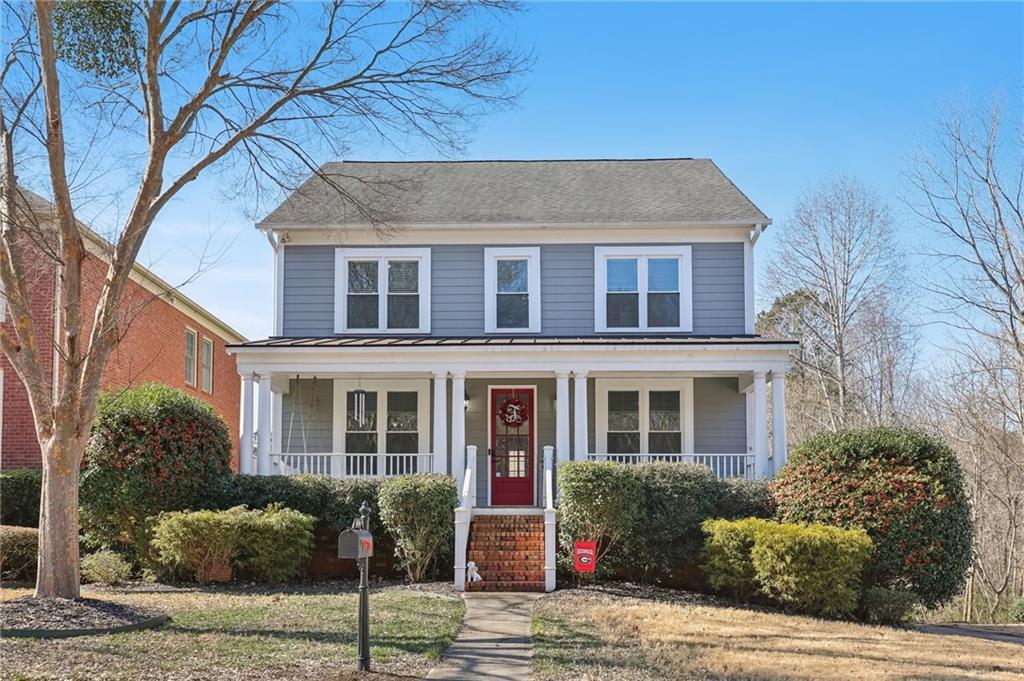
(643, 385)
(491, 258)
(213, 349)
(189, 331)
(601, 256)
(381, 255)
(424, 423)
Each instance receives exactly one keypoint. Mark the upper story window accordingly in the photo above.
(645, 288)
(191, 341)
(382, 290)
(206, 366)
(512, 290)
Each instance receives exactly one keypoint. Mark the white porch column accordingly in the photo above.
(779, 453)
(440, 421)
(579, 417)
(458, 426)
(265, 427)
(245, 436)
(760, 426)
(562, 416)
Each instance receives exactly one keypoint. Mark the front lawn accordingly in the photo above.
(259, 633)
(638, 636)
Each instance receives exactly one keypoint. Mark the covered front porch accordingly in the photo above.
(489, 410)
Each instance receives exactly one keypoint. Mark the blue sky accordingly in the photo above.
(779, 95)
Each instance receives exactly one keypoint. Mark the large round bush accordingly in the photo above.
(903, 487)
(153, 449)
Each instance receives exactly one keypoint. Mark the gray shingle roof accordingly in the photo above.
(680, 190)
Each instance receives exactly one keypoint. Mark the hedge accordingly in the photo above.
(419, 513)
(153, 449)
(903, 487)
(20, 489)
(813, 569)
(271, 545)
(648, 515)
(333, 501)
(19, 549)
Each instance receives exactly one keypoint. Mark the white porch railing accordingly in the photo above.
(352, 465)
(463, 517)
(722, 465)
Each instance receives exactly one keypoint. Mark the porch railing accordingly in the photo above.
(463, 518)
(722, 465)
(352, 465)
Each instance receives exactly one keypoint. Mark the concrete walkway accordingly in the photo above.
(494, 643)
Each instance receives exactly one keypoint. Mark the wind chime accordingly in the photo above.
(359, 404)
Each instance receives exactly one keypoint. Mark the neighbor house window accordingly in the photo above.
(206, 366)
(382, 290)
(653, 416)
(190, 357)
(512, 290)
(642, 289)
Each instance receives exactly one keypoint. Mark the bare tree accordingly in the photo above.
(255, 89)
(968, 187)
(838, 282)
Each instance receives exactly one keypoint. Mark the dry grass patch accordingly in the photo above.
(235, 632)
(589, 635)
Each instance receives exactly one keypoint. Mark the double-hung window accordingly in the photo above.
(191, 340)
(206, 366)
(382, 290)
(651, 417)
(644, 288)
(384, 429)
(512, 290)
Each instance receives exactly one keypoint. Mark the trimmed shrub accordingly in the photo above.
(886, 606)
(275, 544)
(903, 487)
(19, 549)
(811, 569)
(598, 501)
(419, 512)
(153, 449)
(742, 498)
(105, 567)
(677, 498)
(727, 556)
(193, 543)
(334, 501)
(19, 496)
(1017, 611)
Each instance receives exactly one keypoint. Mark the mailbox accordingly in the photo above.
(355, 544)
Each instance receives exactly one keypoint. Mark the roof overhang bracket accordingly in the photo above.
(756, 233)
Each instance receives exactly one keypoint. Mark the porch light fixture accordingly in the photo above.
(465, 402)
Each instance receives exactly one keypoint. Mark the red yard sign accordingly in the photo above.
(584, 556)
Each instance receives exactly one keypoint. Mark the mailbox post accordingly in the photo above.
(357, 544)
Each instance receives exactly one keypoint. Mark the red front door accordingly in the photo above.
(512, 437)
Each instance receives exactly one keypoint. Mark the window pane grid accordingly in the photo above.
(190, 357)
(383, 300)
(643, 292)
(207, 366)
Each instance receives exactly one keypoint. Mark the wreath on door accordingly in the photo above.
(514, 411)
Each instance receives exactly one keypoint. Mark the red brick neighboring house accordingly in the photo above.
(167, 338)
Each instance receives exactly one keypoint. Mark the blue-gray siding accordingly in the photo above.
(307, 416)
(567, 289)
(719, 416)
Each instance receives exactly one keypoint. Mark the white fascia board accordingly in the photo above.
(747, 223)
(560, 234)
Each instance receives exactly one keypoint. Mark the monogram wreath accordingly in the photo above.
(513, 412)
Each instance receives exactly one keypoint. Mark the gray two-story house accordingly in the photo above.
(491, 319)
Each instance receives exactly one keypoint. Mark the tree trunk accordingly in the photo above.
(58, 517)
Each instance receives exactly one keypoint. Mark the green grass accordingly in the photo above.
(236, 633)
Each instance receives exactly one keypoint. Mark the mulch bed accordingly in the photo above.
(69, 613)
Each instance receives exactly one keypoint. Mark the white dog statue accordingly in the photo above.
(472, 574)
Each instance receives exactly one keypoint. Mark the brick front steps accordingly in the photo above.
(508, 551)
